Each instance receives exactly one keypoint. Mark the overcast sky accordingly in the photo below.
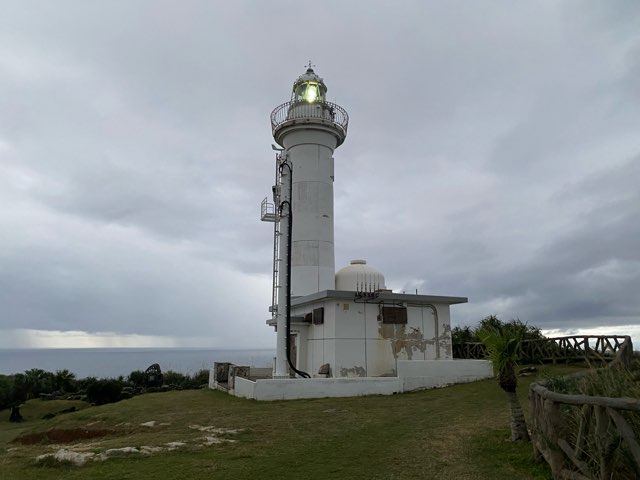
(493, 152)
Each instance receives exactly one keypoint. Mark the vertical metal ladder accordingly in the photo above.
(269, 212)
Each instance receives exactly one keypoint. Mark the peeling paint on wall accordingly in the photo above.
(414, 340)
(353, 372)
(445, 340)
(401, 340)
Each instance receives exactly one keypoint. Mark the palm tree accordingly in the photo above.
(64, 381)
(502, 341)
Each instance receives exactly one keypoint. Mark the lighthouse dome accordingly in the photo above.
(358, 276)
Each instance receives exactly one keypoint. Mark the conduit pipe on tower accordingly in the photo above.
(287, 202)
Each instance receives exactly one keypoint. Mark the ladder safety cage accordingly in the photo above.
(269, 213)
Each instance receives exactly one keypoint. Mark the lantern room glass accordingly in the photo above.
(309, 92)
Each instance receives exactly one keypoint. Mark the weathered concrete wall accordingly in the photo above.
(292, 389)
(355, 342)
(316, 345)
(416, 375)
(260, 372)
(244, 388)
(413, 375)
(212, 377)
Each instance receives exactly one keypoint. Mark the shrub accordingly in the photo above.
(467, 334)
(104, 391)
(32, 383)
(176, 379)
(6, 391)
(138, 378)
(65, 381)
(201, 377)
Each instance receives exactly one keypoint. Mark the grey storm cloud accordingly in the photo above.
(492, 153)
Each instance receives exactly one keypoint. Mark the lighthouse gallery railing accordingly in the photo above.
(320, 111)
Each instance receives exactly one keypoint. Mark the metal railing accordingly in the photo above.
(575, 347)
(321, 112)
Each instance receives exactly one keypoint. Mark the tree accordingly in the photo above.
(104, 390)
(138, 378)
(6, 392)
(502, 341)
(64, 381)
(460, 335)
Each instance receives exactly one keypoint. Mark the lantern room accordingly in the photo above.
(309, 88)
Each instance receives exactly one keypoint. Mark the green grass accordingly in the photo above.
(459, 432)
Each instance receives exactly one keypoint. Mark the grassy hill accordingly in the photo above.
(459, 432)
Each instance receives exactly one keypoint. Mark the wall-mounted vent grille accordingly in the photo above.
(318, 316)
(397, 315)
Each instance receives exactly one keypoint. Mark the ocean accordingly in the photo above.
(113, 362)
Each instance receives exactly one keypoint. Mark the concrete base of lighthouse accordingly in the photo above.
(362, 343)
(412, 376)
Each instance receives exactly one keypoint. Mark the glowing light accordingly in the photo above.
(311, 93)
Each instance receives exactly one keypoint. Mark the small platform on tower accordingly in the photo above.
(267, 211)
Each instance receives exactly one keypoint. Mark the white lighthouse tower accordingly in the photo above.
(309, 128)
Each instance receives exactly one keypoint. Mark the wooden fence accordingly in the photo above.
(576, 347)
(584, 437)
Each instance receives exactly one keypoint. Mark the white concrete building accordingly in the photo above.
(338, 334)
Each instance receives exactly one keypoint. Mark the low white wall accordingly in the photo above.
(212, 377)
(412, 375)
(296, 388)
(264, 372)
(416, 375)
(244, 388)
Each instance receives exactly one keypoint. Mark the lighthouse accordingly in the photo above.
(343, 333)
(309, 129)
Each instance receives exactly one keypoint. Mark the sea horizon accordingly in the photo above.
(108, 362)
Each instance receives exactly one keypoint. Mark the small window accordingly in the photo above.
(308, 317)
(318, 316)
(397, 315)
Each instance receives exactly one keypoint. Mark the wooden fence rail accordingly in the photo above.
(585, 437)
(575, 347)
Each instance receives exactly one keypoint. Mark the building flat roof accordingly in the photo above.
(378, 297)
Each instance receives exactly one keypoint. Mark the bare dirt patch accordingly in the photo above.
(58, 435)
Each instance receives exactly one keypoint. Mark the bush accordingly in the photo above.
(65, 381)
(6, 392)
(138, 378)
(104, 391)
(467, 334)
(176, 379)
(32, 383)
(201, 377)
